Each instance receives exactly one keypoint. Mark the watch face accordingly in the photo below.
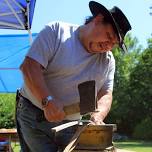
(49, 98)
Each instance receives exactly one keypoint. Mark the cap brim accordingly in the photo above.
(97, 8)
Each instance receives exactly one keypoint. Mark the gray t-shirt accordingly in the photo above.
(66, 64)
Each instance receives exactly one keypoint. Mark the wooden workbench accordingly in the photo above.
(9, 135)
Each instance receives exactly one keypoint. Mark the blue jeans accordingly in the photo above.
(35, 131)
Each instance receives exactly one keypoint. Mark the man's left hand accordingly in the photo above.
(97, 118)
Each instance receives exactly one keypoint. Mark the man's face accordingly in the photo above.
(101, 36)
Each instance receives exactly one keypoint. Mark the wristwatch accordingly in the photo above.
(46, 100)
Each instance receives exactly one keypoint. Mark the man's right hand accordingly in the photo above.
(54, 112)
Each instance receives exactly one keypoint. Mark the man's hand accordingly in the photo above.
(104, 105)
(54, 112)
(97, 118)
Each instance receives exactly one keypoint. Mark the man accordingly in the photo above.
(63, 56)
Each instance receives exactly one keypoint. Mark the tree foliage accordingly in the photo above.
(132, 88)
(140, 85)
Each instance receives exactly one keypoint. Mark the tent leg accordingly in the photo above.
(30, 36)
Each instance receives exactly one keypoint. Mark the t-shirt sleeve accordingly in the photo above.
(43, 47)
(109, 81)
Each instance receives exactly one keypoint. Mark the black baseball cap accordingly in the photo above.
(116, 17)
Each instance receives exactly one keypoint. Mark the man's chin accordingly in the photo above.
(91, 50)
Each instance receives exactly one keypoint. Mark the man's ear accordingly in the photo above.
(98, 19)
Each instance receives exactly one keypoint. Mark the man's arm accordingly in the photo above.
(32, 73)
(33, 77)
(104, 104)
(105, 93)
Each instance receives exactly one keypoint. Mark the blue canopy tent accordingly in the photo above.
(13, 49)
(17, 15)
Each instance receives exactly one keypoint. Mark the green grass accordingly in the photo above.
(137, 146)
(16, 147)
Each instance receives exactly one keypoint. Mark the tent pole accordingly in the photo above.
(30, 36)
(28, 21)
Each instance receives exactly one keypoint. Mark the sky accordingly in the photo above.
(75, 11)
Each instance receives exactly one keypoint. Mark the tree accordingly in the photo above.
(140, 85)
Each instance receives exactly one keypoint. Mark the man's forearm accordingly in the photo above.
(32, 73)
(33, 76)
(104, 104)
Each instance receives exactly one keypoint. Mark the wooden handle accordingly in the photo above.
(71, 109)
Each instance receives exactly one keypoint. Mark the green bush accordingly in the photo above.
(7, 110)
(144, 129)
